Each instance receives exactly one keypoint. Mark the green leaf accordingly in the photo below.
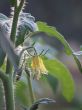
(3, 17)
(53, 82)
(7, 47)
(58, 70)
(22, 93)
(26, 27)
(51, 31)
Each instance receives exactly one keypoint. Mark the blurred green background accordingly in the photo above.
(66, 16)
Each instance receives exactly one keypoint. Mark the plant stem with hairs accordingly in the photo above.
(8, 83)
(32, 97)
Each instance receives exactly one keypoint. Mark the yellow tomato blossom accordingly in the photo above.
(38, 67)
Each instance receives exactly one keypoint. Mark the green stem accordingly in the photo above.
(77, 62)
(31, 90)
(8, 83)
(8, 67)
(32, 97)
(8, 89)
(14, 26)
(15, 21)
(9, 93)
(13, 32)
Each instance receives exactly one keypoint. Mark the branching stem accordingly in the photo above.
(8, 83)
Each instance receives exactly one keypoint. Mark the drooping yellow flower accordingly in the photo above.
(38, 67)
